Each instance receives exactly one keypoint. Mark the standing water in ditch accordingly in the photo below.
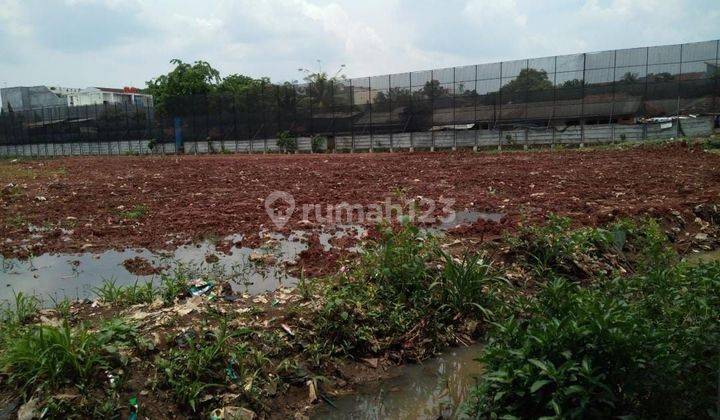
(75, 276)
(431, 390)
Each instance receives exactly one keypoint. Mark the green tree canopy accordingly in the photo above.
(198, 78)
(321, 88)
(239, 84)
(527, 80)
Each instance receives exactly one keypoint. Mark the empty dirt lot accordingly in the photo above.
(97, 203)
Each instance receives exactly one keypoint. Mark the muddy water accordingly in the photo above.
(55, 276)
(432, 390)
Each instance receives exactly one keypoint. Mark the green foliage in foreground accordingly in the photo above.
(406, 293)
(645, 345)
(44, 356)
(604, 323)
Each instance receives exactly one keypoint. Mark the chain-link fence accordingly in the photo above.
(552, 93)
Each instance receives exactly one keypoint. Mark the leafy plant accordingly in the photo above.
(136, 212)
(318, 144)
(631, 347)
(209, 361)
(53, 356)
(286, 142)
(466, 286)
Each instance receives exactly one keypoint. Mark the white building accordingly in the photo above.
(100, 95)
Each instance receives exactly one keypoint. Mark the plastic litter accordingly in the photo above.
(232, 376)
(200, 287)
(133, 405)
(232, 412)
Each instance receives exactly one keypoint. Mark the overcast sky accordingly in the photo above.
(115, 43)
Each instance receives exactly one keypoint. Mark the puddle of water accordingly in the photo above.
(432, 390)
(75, 276)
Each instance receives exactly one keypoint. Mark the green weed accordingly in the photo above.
(21, 309)
(111, 292)
(467, 285)
(47, 356)
(644, 346)
(136, 212)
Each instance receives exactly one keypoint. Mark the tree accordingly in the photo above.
(239, 84)
(573, 84)
(200, 78)
(185, 79)
(629, 77)
(433, 90)
(527, 80)
(321, 87)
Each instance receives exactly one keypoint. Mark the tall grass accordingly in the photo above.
(133, 294)
(42, 356)
(466, 285)
(405, 291)
(20, 309)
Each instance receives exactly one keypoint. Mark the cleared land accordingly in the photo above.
(160, 203)
(616, 301)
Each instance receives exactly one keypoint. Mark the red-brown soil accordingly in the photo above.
(195, 197)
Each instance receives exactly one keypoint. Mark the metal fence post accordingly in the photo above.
(679, 94)
(235, 133)
(582, 105)
(372, 127)
(454, 104)
(432, 112)
(412, 113)
(498, 120)
(352, 119)
(475, 105)
(390, 111)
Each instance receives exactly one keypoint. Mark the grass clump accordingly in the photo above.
(643, 345)
(22, 308)
(48, 357)
(138, 211)
(111, 292)
(406, 296)
(218, 359)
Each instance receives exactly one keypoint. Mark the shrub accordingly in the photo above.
(645, 346)
(286, 142)
(318, 144)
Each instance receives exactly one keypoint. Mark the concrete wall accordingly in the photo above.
(27, 98)
(439, 140)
